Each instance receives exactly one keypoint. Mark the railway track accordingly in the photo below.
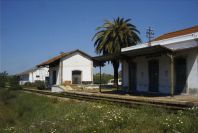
(117, 100)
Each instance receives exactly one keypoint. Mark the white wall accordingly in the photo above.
(77, 61)
(142, 74)
(125, 74)
(38, 74)
(70, 63)
(192, 71)
(164, 74)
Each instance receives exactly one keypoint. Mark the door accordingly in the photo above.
(54, 77)
(132, 76)
(153, 75)
(180, 75)
(76, 77)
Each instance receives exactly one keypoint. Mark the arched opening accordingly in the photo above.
(76, 77)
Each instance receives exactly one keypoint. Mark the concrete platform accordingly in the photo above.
(185, 100)
(177, 102)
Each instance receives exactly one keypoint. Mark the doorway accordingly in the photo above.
(76, 77)
(180, 75)
(153, 75)
(132, 76)
(54, 77)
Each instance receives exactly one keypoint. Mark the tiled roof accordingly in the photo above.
(60, 56)
(177, 33)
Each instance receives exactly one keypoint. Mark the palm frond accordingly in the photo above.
(114, 35)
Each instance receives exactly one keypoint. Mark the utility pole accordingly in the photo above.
(149, 35)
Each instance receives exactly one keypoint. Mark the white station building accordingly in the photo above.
(167, 65)
(75, 67)
(33, 74)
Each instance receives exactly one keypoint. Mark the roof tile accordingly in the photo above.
(60, 56)
(177, 33)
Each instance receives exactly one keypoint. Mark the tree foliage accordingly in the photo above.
(3, 79)
(112, 36)
(104, 78)
(10, 82)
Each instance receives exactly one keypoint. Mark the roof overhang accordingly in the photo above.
(147, 51)
(103, 58)
(100, 60)
(133, 53)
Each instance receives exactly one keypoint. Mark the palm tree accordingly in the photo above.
(112, 36)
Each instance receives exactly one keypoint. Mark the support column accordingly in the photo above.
(61, 70)
(172, 75)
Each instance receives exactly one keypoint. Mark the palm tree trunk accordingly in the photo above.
(115, 67)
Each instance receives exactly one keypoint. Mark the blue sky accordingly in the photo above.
(33, 31)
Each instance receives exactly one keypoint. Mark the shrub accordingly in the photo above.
(14, 83)
(29, 84)
(8, 81)
(3, 79)
(104, 78)
(40, 85)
